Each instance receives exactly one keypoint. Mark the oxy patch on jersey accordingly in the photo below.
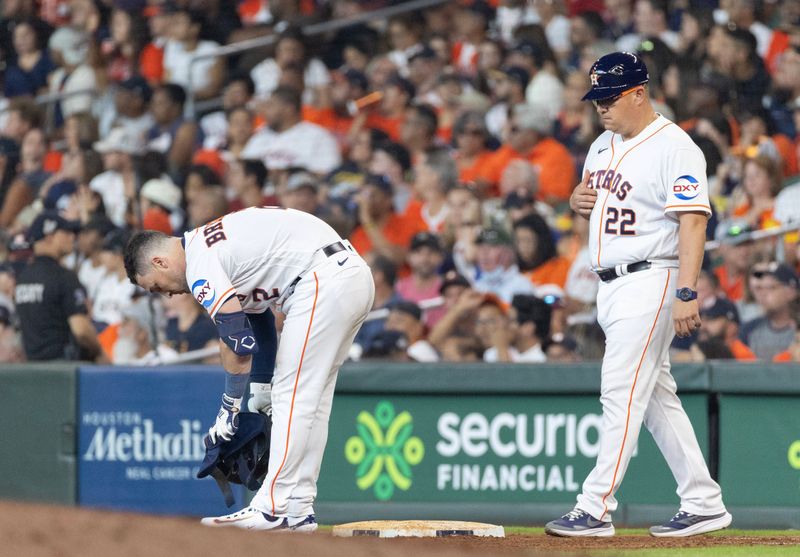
(204, 293)
(686, 187)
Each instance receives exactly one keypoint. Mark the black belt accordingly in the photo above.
(607, 275)
(328, 250)
(335, 247)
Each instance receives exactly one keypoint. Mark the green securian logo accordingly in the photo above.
(384, 450)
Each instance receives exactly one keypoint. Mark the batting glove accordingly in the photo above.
(227, 421)
(260, 400)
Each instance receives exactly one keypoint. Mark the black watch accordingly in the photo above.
(686, 294)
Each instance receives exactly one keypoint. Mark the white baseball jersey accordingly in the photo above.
(254, 254)
(304, 144)
(642, 183)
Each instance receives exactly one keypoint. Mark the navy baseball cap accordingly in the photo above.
(380, 182)
(138, 85)
(48, 222)
(409, 308)
(614, 74)
(721, 307)
(518, 74)
(426, 239)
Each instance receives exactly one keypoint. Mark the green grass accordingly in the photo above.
(727, 551)
(529, 531)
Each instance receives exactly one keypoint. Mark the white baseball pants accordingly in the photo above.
(635, 312)
(323, 315)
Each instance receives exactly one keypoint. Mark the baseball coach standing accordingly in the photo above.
(645, 194)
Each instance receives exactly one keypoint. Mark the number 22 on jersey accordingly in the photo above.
(620, 221)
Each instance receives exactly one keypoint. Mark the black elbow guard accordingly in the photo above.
(235, 331)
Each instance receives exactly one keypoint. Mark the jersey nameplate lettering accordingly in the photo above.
(213, 232)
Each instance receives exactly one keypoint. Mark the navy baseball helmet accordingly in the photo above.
(615, 73)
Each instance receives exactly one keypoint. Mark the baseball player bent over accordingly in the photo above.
(645, 194)
(238, 267)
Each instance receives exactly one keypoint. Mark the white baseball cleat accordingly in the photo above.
(304, 524)
(249, 518)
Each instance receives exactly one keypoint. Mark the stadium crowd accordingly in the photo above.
(443, 143)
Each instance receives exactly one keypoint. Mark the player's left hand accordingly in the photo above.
(686, 317)
(227, 421)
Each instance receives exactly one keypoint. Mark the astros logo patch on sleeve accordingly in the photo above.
(686, 187)
(204, 293)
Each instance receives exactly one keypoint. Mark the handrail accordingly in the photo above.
(755, 235)
(47, 98)
(313, 29)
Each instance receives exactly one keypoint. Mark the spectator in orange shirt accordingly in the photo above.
(435, 175)
(761, 182)
(337, 114)
(536, 252)
(529, 138)
(737, 255)
(721, 324)
(151, 60)
(382, 231)
(471, 155)
(397, 96)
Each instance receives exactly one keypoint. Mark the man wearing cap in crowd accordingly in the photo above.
(50, 300)
(721, 324)
(160, 205)
(131, 102)
(141, 337)
(115, 292)
(529, 137)
(776, 293)
(508, 89)
(406, 317)
(424, 258)
(494, 271)
(117, 184)
(301, 193)
(69, 48)
(424, 70)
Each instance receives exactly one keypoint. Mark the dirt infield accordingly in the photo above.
(42, 530)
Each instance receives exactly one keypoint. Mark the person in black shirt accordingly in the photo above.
(50, 301)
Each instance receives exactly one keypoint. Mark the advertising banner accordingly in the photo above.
(494, 449)
(759, 461)
(140, 439)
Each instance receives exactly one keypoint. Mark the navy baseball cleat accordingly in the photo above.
(686, 524)
(578, 523)
(249, 518)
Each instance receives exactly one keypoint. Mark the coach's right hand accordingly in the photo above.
(583, 198)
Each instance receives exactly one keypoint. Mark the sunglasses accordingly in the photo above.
(609, 102)
(476, 132)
